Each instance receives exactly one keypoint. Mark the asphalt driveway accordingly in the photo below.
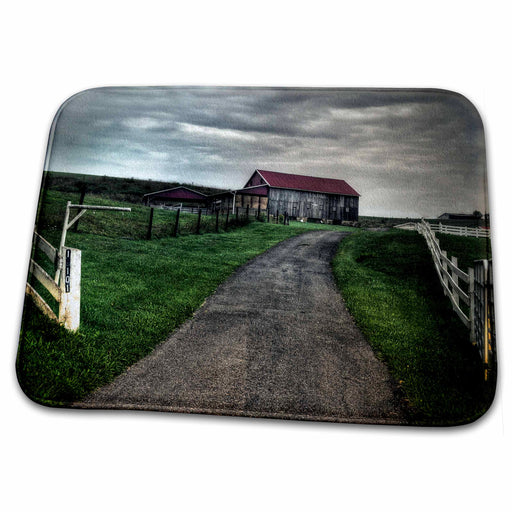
(274, 340)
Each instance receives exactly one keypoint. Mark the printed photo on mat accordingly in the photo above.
(293, 253)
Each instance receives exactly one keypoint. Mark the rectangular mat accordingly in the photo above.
(315, 254)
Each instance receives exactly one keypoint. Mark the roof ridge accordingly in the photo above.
(174, 188)
(302, 175)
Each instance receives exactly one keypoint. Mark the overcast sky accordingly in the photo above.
(408, 153)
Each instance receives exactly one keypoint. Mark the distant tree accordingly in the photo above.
(478, 217)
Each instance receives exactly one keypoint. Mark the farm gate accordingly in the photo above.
(67, 264)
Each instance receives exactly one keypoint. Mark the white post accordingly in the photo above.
(69, 307)
(62, 241)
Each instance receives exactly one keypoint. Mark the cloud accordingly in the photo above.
(413, 152)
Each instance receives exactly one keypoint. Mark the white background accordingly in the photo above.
(81, 460)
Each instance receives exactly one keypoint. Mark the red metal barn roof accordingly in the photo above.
(178, 193)
(309, 183)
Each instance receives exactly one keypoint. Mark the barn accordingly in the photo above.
(307, 197)
(457, 216)
(178, 195)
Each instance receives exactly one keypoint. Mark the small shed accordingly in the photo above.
(177, 195)
(457, 216)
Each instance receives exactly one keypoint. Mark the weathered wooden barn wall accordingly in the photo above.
(297, 203)
(313, 205)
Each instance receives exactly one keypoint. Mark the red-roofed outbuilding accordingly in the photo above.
(183, 195)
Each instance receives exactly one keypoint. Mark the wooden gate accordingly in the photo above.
(65, 289)
(67, 262)
(483, 327)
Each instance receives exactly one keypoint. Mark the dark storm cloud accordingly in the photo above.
(406, 152)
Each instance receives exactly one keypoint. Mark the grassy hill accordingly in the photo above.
(119, 189)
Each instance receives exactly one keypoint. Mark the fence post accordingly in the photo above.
(268, 213)
(227, 219)
(259, 209)
(247, 212)
(63, 239)
(150, 225)
(80, 201)
(237, 214)
(177, 223)
(486, 314)
(277, 217)
(217, 221)
(491, 319)
(198, 221)
(69, 306)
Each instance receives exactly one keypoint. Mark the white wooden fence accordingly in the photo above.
(449, 274)
(67, 262)
(450, 230)
(66, 291)
(461, 230)
(478, 313)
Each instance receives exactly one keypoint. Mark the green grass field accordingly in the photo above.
(134, 293)
(390, 286)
